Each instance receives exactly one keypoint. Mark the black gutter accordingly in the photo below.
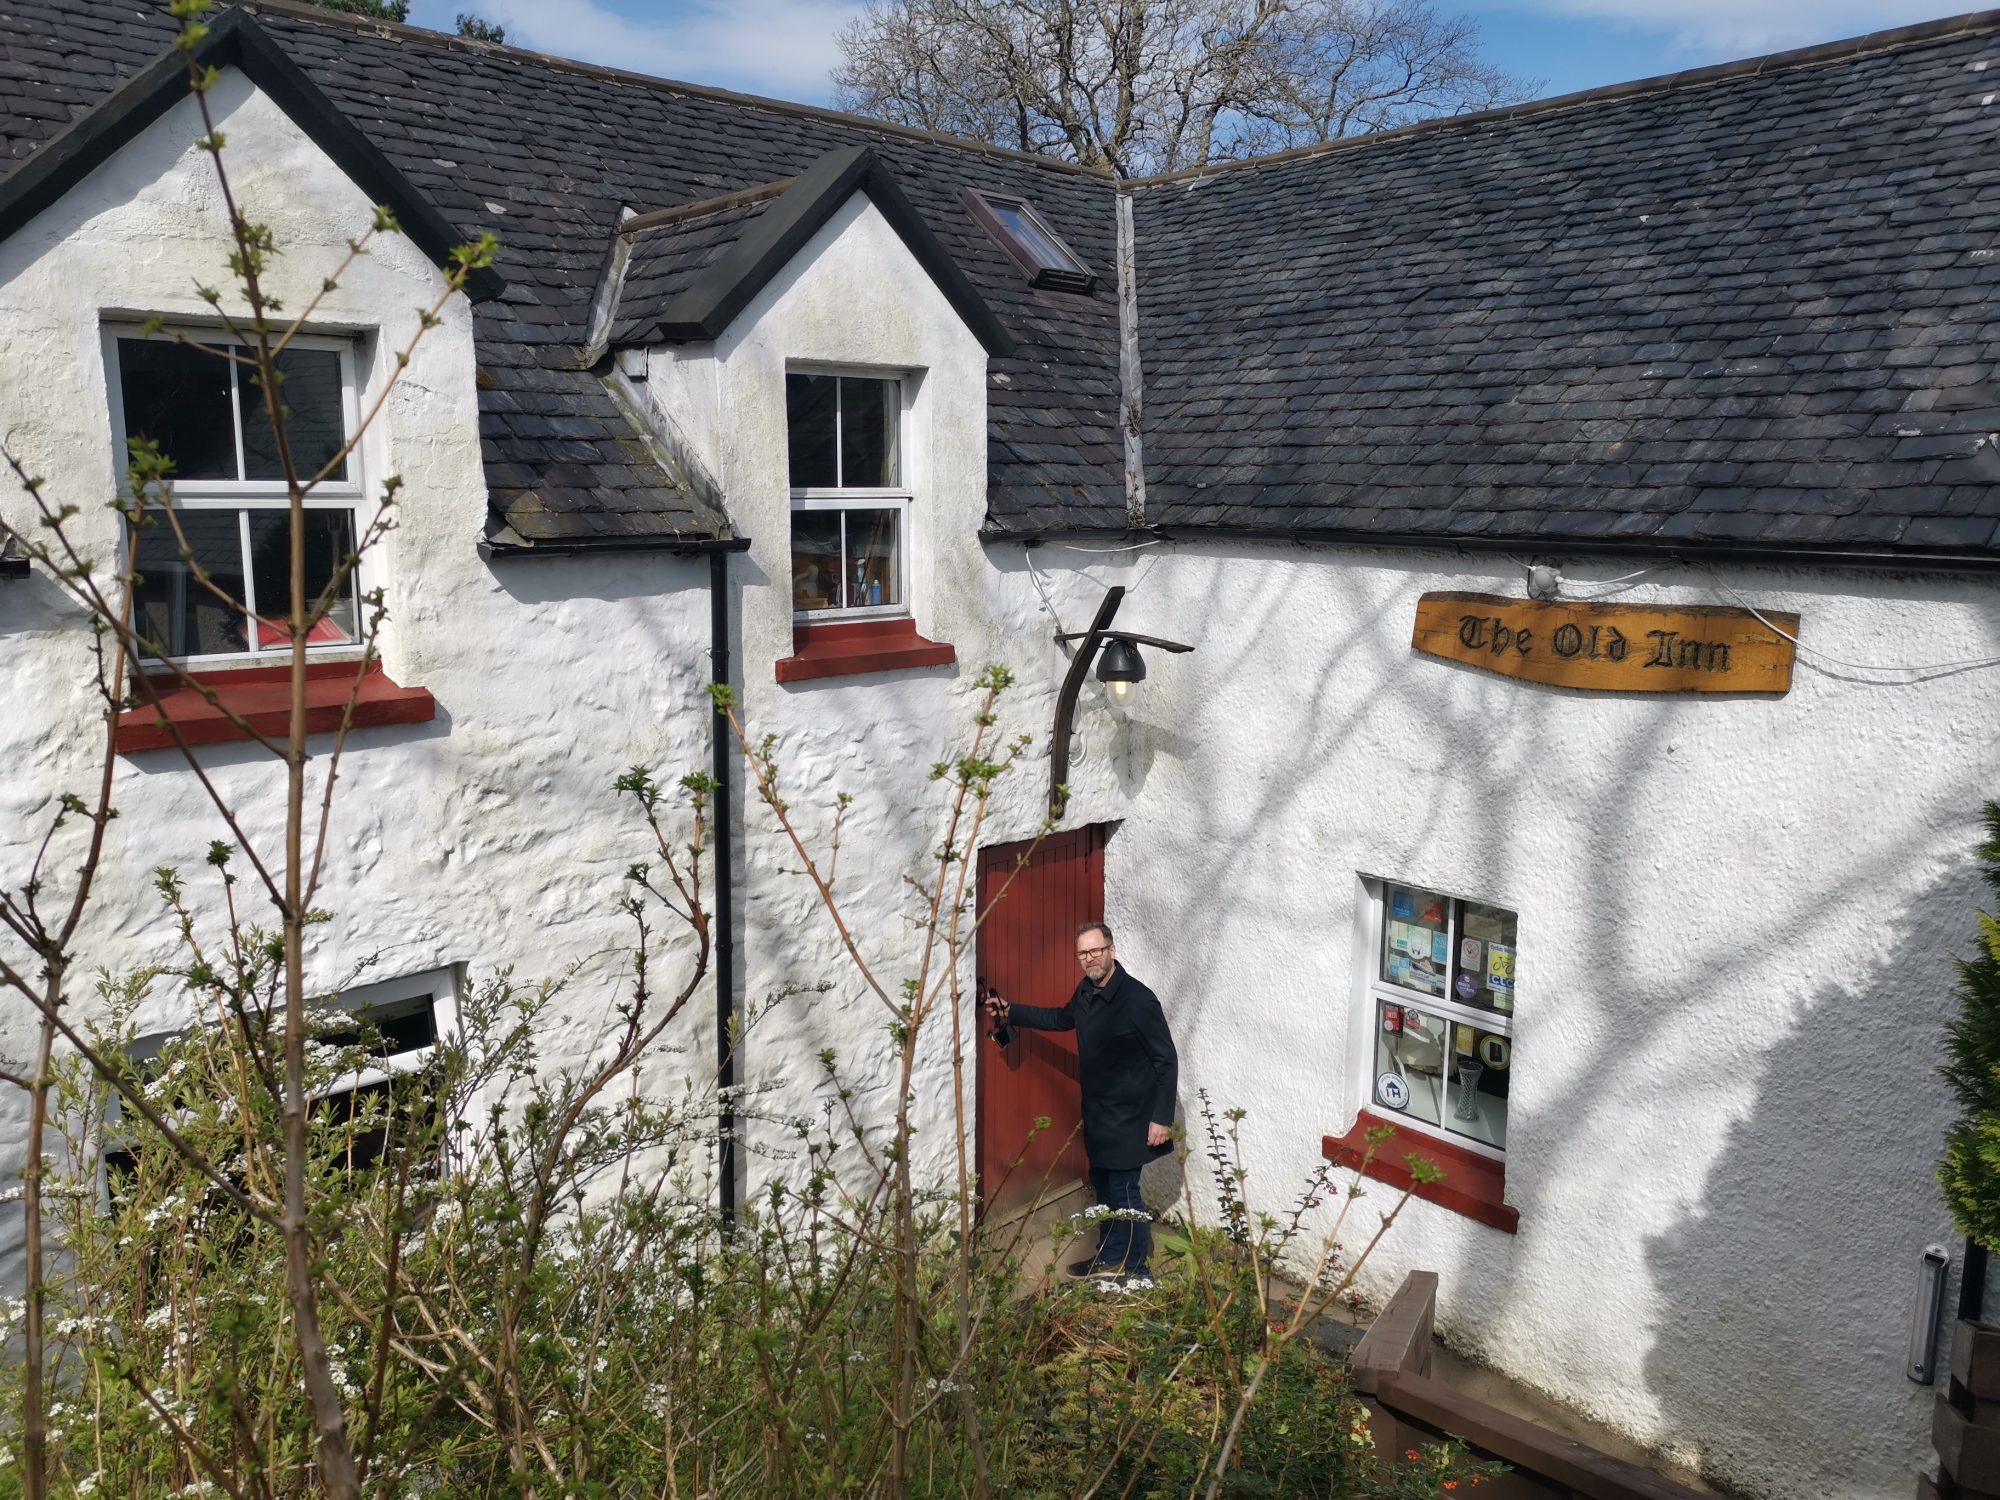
(13, 567)
(723, 751)
(1521, 546)
(679, 546)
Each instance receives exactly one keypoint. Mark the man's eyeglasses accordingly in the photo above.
(1085, 955)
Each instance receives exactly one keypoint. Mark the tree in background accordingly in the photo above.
(476, 27)
(1969, 1176)
(1142, 86)
(375, 10)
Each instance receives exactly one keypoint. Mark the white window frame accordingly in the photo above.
(1375, 991)
(440, 987)
(848, 497)
(245, 495)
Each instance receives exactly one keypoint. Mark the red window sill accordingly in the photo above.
(1473, 1185)
(262, 696)
(849, 649)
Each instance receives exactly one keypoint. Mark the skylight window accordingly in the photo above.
(1023, 234)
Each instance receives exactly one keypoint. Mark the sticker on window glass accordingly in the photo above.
(1482, 925)
(1440, 948)
(1466, 986)
(1393, 1091)
(1461, 1040)
(1471, 954)
(1495, 1053)
(1434, 910)
(1399, 970)
(1403, 905)
(1500, 968)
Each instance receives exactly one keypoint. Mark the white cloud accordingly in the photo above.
(778, 47)
(1713, 30)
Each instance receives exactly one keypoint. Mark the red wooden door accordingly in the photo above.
(1027, 952)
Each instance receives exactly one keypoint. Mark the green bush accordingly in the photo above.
(1969, 1176)
(655, 1353)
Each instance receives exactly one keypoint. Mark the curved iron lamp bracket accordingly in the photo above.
(1093, 641)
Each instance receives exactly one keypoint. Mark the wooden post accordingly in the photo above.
(1965, 1424)
(1131, 384)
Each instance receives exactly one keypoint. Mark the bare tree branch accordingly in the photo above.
(1143, 86)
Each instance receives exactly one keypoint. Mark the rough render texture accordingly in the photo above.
(488, 837)
(856, 299)
(491, 837)
(1734, 914)
(1735, 917)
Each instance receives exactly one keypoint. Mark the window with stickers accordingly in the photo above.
(1441, 1004)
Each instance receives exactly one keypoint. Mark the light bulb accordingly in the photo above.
(1119, 690)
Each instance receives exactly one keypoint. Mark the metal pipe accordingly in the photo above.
(724, 758)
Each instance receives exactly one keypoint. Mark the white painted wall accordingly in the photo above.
(489, 837)
(855, 297)
(1735, 916)
(1734, 913)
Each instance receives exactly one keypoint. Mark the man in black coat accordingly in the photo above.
(1128, 1072)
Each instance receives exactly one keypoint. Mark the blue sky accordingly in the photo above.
(784, 47)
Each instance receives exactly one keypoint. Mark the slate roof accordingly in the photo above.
(1764, 310)
(550, 156)
(1753, 311)
(667, 251)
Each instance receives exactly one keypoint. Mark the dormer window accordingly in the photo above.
(849, 502)
(1023, 234)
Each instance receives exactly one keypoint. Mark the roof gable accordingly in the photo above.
(234, 41)
(739, 248)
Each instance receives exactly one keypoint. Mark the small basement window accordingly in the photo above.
(1024, 234)
(398, 1023)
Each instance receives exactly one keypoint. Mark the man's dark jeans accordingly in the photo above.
(1125, 1244)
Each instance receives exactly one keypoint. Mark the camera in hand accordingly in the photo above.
(1001, 1033)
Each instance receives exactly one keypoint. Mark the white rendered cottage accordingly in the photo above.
(839, 408)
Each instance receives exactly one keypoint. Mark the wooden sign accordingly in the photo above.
(1611, 648)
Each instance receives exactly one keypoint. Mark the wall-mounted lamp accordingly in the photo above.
(1119, 665)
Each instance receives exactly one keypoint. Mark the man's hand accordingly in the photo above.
(1159, 1135)
(996, 1008)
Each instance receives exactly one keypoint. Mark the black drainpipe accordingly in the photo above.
(722, 813)
(724, 749)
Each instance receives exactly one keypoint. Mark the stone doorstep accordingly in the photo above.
(1026, 1232)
